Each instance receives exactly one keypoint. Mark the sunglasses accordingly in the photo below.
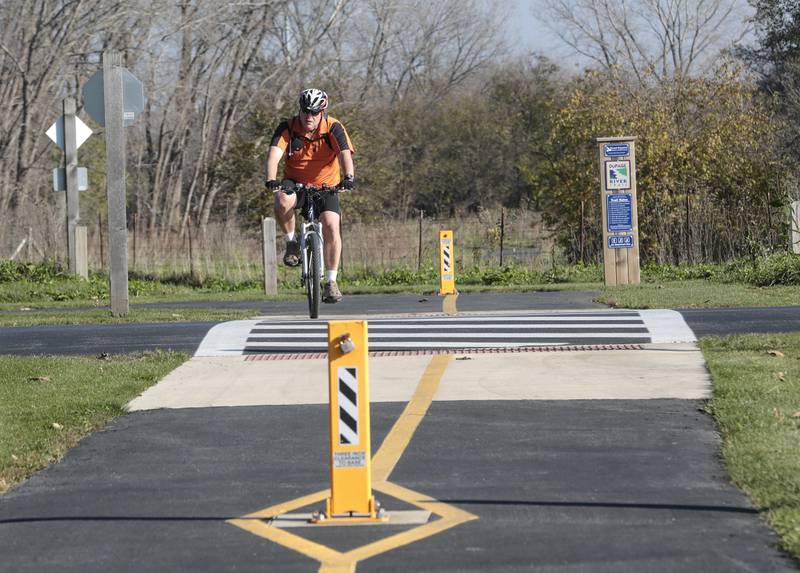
(309, 112)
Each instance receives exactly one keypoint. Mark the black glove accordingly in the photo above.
(347, 183)
(273, 184)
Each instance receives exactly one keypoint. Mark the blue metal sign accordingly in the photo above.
(616, 149)
(620, 241)
(619, 212)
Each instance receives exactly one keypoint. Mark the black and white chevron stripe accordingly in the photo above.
(348, 406)
(459, 332)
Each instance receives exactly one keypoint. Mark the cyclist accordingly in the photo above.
(319, 153)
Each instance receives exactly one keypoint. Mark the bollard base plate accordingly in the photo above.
(376, 514)
(347, 519)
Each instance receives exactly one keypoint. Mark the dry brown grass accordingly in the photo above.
(234, 252)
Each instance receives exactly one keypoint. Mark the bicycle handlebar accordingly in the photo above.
(289, 187)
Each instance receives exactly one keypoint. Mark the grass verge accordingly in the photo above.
(698, 293)
(756, 405)
(40, 317)
(47, 404)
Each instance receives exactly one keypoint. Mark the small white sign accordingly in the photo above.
(56, 132)
(618, 175)
(353, 459)
(60, 179)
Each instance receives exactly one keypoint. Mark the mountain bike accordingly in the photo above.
(311, 242)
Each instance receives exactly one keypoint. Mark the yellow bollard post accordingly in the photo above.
(447, 263)
(348, 386)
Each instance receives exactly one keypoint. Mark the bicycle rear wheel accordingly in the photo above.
(314, 278)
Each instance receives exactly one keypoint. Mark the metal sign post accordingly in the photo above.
(71, 167)
(69, 133)
(115, 178)
(618, 201)
(447, 271)
(113, 97)
(351, 459)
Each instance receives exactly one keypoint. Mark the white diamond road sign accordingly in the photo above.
(56, 132)
(132, 97)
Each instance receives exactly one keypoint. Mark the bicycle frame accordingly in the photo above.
(311, 245)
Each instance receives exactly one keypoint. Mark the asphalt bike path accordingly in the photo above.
(562, 453)
(93, 339)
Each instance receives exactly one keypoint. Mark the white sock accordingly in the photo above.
(290, 236)
(330, 276)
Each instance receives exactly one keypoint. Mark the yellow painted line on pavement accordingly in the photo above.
(383, 462)
(399, 436)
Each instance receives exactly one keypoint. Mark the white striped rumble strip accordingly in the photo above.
(567, 328)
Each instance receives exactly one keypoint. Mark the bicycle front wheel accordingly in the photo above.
(314, 278)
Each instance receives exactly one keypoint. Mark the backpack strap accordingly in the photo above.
(296, 142)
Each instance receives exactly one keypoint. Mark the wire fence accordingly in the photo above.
(487, 238)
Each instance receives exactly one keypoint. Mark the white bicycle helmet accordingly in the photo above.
(314, 101)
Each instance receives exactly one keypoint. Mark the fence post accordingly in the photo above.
(191, 249)
(502, 232)
(81, 252)
(419, 244)
(100, 234)
(795, 226)
(269, 255)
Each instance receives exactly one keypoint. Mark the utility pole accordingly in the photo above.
(115, 177)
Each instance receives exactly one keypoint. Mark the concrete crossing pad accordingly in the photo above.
(656, 371)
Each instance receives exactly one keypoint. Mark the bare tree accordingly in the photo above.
(664, 38)
(207, 66)
(405, 46)
(43, 46)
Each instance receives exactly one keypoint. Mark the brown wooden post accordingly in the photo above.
(270, 255)
(81, 252)
(619, 209)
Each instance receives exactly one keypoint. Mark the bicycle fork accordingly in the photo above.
(307, 229)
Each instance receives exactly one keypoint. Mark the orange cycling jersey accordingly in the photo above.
(312, 160)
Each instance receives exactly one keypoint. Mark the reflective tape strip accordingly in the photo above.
(446, 255)
(348, 406)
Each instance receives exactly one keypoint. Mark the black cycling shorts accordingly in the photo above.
(328, 202)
